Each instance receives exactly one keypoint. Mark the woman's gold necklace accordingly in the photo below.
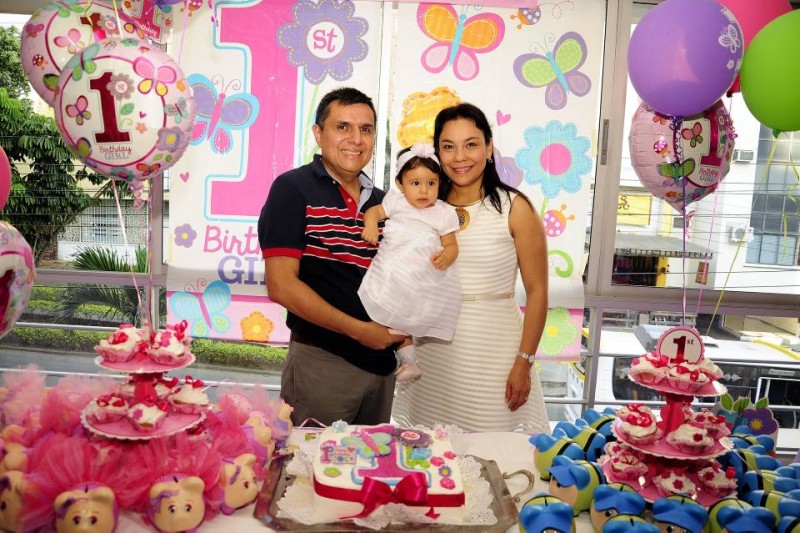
(463, 214)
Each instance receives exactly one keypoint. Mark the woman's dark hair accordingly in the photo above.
(415, 162)
(492, 185)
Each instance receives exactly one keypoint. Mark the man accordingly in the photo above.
(339, 364)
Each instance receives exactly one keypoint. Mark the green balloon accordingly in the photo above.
(770, 74)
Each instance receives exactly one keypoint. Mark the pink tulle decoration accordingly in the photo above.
(157, 459)
(23, 396)
(60, 464)
(62, 406)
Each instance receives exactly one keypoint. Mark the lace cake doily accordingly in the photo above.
(297, 502)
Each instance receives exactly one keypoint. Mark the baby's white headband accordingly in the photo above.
(422, 150)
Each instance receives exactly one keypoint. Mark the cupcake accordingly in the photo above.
(710, 369)
(120, 346)
(106, 408)
(646, 370)
(686, 377)
(126, 389)
(171, 346)
(672, 481)
(147, 417)
(637, 424)
(690, 438)
(165, 387)
(715, 425)
(191, 398)
(717, 482)
(625, 463)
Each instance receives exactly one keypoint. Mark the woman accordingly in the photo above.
(484, 380)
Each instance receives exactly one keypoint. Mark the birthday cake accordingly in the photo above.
(382, 474)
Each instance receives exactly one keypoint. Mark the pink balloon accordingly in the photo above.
(5, 178)
(125, 108)
(752, 16)
(55, 32)
(17, 275)
(705, 143)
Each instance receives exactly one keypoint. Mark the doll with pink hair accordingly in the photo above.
(76, 488)
(240, 471)
(64, 402)
(176, 483)
(20, 412)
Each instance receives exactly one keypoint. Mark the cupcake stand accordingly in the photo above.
(145, 373)
(679, 345)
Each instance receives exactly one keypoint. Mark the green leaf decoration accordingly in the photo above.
(727, 402)
(126, 109)
(158, 157)
(168, 158)
(762, 403)
(50, 81)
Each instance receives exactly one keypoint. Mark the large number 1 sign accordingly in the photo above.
(270, 140)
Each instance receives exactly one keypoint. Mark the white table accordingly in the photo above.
(511, 451)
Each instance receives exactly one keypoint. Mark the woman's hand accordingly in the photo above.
(518, 385)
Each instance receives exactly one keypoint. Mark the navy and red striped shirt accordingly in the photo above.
(310, 217)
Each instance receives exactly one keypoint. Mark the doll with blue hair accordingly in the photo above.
(546, 513)
(762, 480)
(548, 447)
(612, 500)
(626, 523)
(679, 514)
(600, 421)
(779, 503)
(589, 439)
(753, 520)
(575, 482)
(713, 525)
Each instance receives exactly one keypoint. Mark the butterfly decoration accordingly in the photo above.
(83, 62)
(557, 70)
(71, 41)
(33, 30)
(82, 148)
(217, 114)
(693, 135)
(507, 169)
(660, 119)
(458, 38)
(730, 38)
(204, 311)
(79, 110)
(65, 8)
(148, 170)
(380, 439)
(177, 110)
(677, 171)
(153, 76)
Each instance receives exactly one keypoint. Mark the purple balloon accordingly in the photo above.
(684, 54)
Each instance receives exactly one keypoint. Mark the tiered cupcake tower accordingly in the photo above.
(676, 454)
(149, 405)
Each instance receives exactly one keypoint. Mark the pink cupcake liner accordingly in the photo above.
(148, 429)
(167, 358)
(104, 417)
(646, 378)
(187, 408)
(688, 386)
(115, 356)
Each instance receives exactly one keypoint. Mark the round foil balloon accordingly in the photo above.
(16, 276)
(55, 33)
(705, 146)
(125, 108)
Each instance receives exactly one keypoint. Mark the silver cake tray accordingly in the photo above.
(278, 480)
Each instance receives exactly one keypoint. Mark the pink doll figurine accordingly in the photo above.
(177, 482)
(75, 486)
(239, 472)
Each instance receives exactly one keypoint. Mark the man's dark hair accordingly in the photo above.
(344, 96)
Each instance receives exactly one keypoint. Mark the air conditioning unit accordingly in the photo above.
(741, 233)
(744, 156)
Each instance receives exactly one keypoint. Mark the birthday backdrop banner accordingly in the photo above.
(258, 70)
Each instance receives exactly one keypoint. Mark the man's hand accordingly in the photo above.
(375, 336)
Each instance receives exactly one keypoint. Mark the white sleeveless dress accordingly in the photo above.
(464, 382)
(402, 289)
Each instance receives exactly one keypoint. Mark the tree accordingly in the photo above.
(122, 303)
(12, 77)
(45, 195)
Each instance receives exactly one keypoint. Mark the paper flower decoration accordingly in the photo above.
(556, 158)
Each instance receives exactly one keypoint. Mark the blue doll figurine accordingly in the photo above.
(547, 448)
(762, 480)
(679, 514)
(626, 523)
(713, 525)
(600, 421)
(612, 500)
(546, 514)
(753, 520)
(575, 482)
(590, 440)
(790, 524)
(779, 503)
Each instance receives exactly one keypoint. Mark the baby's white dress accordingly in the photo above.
(402, 289)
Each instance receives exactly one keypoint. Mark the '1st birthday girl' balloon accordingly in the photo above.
(16, 276)
(125, 108)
